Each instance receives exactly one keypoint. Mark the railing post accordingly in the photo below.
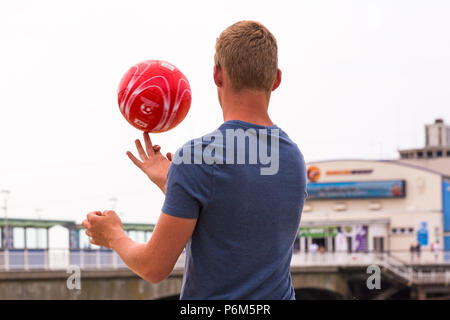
(46, 259)
(97, 258)
(25, 259)
(82, 258)
(114, 259)
(6, 252)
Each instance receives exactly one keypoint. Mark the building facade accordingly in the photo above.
(365, 206)
(435, 155)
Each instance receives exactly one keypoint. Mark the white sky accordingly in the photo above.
(360, 79)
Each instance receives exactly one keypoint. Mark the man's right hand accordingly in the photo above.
(153, 163)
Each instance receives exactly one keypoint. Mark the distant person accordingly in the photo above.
(412, 250)
(314, 248)
(418, 249)
(321, 249)
(237, 219)
(435, 250)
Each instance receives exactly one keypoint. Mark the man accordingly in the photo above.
(233, 207)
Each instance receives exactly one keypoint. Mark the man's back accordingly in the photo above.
(248, 216)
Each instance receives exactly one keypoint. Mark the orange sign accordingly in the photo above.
(346, 172)
(313, 173)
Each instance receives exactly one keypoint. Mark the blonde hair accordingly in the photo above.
(249, 54)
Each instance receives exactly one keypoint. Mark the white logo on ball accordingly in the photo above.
(146, 109)
(148, 105)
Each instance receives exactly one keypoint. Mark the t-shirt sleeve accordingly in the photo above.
(188, 189)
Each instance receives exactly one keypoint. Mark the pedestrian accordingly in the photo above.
(412, 250)
(435, 250)
(418, 249)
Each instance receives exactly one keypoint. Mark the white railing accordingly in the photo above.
(425, 257)
(335, 259)
(61, 259)
(417, 273)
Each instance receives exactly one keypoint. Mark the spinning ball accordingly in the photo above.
(154, 96)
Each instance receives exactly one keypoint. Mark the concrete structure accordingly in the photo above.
(95, 284)
(436, 153)
(330, 276)
(361, 205)
(123, 284)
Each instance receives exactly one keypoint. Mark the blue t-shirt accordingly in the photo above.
(246, 185)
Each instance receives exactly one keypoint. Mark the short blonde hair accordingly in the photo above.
(249, 54)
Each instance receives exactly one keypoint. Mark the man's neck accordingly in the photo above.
(248, 106)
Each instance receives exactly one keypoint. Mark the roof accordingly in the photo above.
(40, 223)
(131, 226)
(35, 223)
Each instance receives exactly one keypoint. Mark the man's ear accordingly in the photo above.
(277, 81)
(218, 76)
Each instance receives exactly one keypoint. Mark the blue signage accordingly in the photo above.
(422, 234)
(356, 190)
(446, 212)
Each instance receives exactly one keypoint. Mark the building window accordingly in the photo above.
(419, 154)
(84, 241)
(403, 230)
(18, 238)
(439, 153)
(448, 153)
(429, 154)
(36, 238)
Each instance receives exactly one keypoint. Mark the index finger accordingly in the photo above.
(92, 215)
(148, 144)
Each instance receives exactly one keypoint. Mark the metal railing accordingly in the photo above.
(335, 259)
(416, 273)
(61, 259)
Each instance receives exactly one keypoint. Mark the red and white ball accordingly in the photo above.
(154, 96)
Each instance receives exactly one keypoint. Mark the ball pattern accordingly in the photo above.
(154, 96)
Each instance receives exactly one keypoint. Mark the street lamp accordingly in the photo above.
(113, 202)
(38, 212)
(5, 208)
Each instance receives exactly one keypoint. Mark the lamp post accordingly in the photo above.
(6, 241)
(38, 211)
(5, 208)
(113, 202)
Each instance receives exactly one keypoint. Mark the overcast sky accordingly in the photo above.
(360, 80)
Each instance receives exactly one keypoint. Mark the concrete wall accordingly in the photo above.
(325, 278)
(117, 284)
(123, 284)
(436, 164)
